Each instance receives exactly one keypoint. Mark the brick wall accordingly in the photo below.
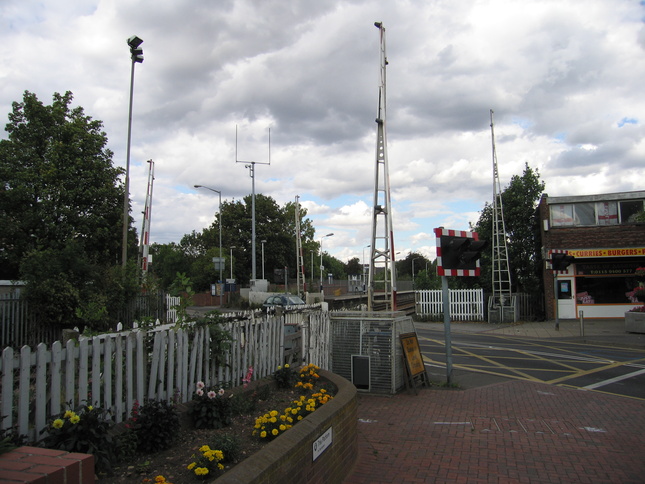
(45, 466)
(289, 458)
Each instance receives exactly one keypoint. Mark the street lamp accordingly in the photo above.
(321, 264)
(413, 270)
(364, 282)
(221, 280)
(136, 55)
(232, 260)
(312, 268)
(263, 242)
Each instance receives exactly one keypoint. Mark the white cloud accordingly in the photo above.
(563, 79)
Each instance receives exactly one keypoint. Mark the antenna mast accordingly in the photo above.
(302, 282)
(144, 248)
(251, 166)
(501, 307)
(382, 246)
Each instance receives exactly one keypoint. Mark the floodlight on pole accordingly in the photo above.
(137, 56)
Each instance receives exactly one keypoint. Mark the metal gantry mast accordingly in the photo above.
(500, 304)
(382, 246)
(144, 245)
(302, 282)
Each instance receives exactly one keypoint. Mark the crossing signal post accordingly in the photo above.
(560, 261)
(458, 254)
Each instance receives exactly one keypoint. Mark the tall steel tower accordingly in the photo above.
(382, 246)
(501, 306)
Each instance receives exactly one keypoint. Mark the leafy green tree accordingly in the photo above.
(519, 199)
(404, 266)
(354, 267)
(60, 209)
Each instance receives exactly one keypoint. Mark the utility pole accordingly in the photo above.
(145, 230)
(300, 270)
(382, 246)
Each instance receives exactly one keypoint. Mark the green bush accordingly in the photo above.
(85, 430)
(210, 409)
(285, 376)
(155, 424)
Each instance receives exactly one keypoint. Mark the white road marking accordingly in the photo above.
(613, 380)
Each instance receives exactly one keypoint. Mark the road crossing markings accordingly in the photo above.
(594, 370)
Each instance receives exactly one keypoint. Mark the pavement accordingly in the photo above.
(496, 430)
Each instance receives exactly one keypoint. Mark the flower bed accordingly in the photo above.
(290, 457)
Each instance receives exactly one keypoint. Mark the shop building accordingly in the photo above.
(608, 246)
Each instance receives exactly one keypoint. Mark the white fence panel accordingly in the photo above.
(165, 363)
(465, 304)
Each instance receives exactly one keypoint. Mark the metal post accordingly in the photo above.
(555, 291)
(445, 293)
(126, 195)
(582, 323)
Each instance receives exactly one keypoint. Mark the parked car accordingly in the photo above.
(282, 300)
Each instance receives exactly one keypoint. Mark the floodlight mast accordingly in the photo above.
(382, 246)
(251, 166)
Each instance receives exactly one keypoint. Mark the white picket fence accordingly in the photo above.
(465, 304)
(111, 371)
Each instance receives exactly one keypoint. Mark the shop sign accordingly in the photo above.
(619, 252)
(599, 269)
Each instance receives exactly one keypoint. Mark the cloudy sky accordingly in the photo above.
(564, 78)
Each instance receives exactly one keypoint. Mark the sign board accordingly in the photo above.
(412, 353)
(322, 442)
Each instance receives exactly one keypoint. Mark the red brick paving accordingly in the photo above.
(509, 432)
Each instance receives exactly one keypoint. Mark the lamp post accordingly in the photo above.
(364, 281)
(263, 242)
(321, 264)
(221, 280)
(413, 270)
(136, 55)
(232, 260)
(312, 268)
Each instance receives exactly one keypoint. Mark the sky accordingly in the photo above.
(563, 77)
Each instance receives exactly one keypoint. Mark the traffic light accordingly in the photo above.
(561, 260)
(461, 252)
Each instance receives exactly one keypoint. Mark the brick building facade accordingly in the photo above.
(608, 246)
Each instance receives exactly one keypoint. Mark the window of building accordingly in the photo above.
(585, 213)
(628, 209)
(561, 215)
(607, 213)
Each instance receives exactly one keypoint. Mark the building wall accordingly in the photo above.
(626, 235)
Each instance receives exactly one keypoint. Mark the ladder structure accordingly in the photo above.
(302, 282)
(144, 244)
(382, 270)
(501, 305)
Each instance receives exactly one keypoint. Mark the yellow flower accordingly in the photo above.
(68, 414)
(191, 466)
(90, 408)
(219, 455)
(58, 423)
(286, 366)
(160, 479)
(204, 448)
(75, 419)
(275, 432)
(201, 471)
(283, 428)
(274, 413)
(220, 466)
(263, 434)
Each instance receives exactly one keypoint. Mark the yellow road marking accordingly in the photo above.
(595, 370)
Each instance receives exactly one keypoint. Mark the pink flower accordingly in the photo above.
(221, 392)
(212, 394)
(200, 385)
(199, 392)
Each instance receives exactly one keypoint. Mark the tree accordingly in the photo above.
(60, 207)
(519, 199)
(404, 267)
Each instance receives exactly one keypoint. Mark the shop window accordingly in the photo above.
(629, 209)
(605, 290)
(585, 213)
(561, 215)
(607, 213)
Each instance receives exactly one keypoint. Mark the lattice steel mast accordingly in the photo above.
(382, 246)
(500, 304)
(144, 245)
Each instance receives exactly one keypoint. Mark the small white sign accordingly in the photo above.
(322, 442)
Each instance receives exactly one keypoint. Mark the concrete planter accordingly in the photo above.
(634, 322)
